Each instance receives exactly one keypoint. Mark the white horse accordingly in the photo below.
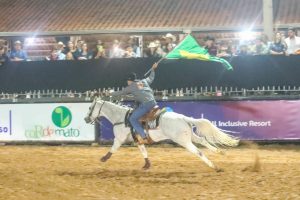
(173, 126)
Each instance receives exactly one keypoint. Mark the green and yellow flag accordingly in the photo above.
(189, 48)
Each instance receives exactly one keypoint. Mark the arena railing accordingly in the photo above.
(192, 93)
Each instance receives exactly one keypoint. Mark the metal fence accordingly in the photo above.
(192, 93)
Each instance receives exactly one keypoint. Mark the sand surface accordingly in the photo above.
(75, 172)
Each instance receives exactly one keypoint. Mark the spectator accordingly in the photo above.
(152, 50)
(224, 50)
(129, 53)
(116, 51)
(69, 56)
(70, 48)
(278, 46)
(100, 50)
(85, 53)
(17, 54)
(169, 47)
(134, 43)
(53, 55)
(292, 42)
(3, 57)
(78, 50)
(159, 51)
(210, 45)
(259, 47)
(170, 42)
(60, 48)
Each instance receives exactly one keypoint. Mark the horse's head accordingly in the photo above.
(94, 111)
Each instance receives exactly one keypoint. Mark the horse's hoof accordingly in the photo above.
(103, 159)
(219, 169)
(146, 167)
(147, 164)
(106, 157)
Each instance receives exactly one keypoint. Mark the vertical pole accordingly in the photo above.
(268, 18)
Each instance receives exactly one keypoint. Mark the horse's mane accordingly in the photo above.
(123, 107)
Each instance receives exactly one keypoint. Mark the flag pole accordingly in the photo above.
(157, 63)
(162, 58)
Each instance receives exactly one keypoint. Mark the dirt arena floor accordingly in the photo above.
(75, 172)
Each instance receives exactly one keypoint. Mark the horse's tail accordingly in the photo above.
(212, 134)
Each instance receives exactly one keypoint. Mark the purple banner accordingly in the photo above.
(250, 120)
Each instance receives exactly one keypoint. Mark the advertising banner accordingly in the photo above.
(249, 120)
(45, 122)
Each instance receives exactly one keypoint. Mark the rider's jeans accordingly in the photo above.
(138, 113)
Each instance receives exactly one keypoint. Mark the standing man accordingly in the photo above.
(17, 54)
(292, 42)
(143, 95)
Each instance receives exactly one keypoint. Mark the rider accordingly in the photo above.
(143, 95)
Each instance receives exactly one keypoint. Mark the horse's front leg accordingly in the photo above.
(116, 145)
(145, 155)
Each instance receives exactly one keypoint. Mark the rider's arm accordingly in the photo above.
(126, 90)
(151, 77)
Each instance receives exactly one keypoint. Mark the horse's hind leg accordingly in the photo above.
(193, 149)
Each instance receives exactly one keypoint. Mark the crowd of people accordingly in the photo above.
(79, 50)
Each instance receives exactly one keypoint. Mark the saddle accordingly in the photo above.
(149, 121)
(152, 115)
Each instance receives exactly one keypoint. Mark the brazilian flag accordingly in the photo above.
(189, 48)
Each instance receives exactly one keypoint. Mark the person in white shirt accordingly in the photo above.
(292, 42)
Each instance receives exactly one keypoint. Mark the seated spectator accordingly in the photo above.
(100, 50)
(53, 55)
(170, 42)
(59, 51)
(259, 47)
(224, 50)
(78, 50)
(116, 51)
(69, 48)
(69, 56)
(152, 50)
(159, 50)
(278, 46)
(210, 45)
(85, 53)
(129, 53)
(292, 42)
(169, 47)
(17, 54)
(3, 57)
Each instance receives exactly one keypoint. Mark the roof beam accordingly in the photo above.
(138, 30)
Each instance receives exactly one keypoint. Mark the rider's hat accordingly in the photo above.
(131, 77)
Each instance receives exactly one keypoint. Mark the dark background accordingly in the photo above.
(249, 72)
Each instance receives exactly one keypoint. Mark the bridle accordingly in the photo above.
(98, 112)
(115, 124)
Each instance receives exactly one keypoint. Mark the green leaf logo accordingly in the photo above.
(61, 116)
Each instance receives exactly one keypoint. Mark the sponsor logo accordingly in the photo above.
(61, 118)
(6, 126)
(39, 131)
